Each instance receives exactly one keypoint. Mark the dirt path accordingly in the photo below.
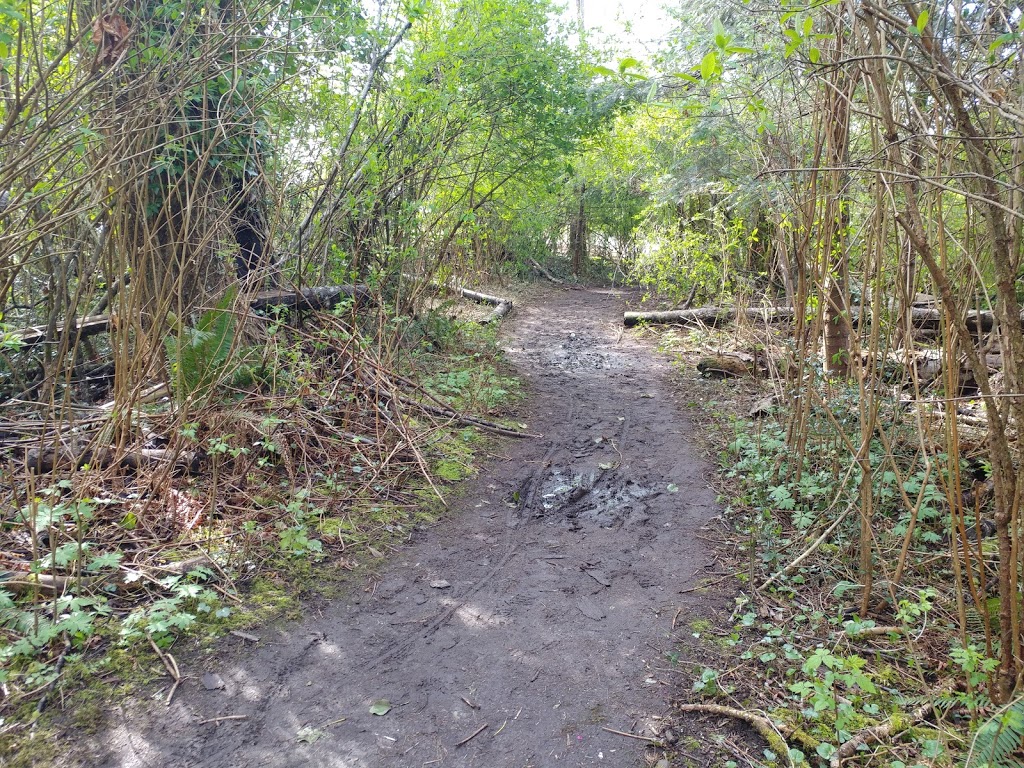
(565, 563)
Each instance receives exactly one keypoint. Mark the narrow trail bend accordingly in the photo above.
(566, 559)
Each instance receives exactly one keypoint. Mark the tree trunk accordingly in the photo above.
(837, 221)
(578, 236)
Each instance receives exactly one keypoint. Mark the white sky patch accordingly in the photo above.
(634, 27)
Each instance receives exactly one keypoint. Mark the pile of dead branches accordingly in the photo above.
(309, 459)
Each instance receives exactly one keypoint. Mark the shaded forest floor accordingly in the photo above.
(529, 626)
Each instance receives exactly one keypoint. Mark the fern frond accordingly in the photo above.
(996, 740)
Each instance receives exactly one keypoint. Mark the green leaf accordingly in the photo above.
(922, 20)
(599, 70)
(628, 63)
(309, 735)
(103, 561)
(814, 55)
(808, 25)
(672, 488)
(1003, 39)
(380, 707)
(708, 66)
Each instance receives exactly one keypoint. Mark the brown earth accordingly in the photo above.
(565, 564)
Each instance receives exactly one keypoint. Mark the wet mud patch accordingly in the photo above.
(529, 628)
(600, 498)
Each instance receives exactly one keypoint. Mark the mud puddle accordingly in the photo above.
(523, 630)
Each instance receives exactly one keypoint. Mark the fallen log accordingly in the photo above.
(727, 366)
(892, 727)
(712, 316)
(81, 328)
(324, 297)
(501, 306)
(499, 312)
(24, 581)
(49, 459)
(481, 298)
(543, 271)
(922, 318)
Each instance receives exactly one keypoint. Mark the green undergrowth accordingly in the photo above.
(799, 648)
(309, 496)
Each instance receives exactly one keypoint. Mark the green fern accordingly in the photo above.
(199, 356)
(996, 741)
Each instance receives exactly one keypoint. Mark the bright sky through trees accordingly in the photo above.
(635, 25)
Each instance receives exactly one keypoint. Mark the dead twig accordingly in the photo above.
(630, 735)
(221, 719)
(473, 735)
(706, 585)
(172, 669)
(868, 632)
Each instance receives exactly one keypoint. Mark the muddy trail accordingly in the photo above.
(516, 631)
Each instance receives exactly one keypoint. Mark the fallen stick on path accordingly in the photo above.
(626, 733)
(922, 318)
(473, 735)
(172, 669)
(222, 718)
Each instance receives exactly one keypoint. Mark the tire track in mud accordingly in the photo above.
(566, 558)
